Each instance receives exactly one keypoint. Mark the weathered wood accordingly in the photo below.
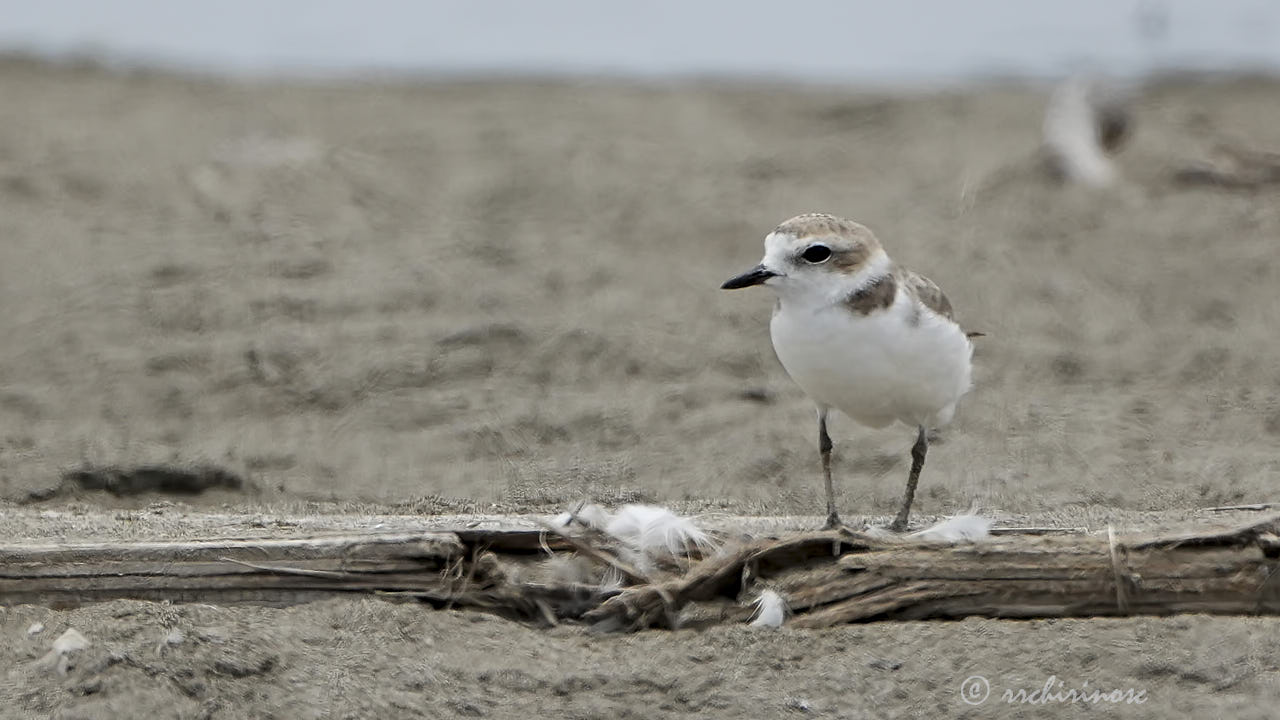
(826, 577)
(1050, 579)
(437, 567)
(225, 568)
(644, 605)
(1229, 572)
(403, 544)
(1232, 167)
(511, 541)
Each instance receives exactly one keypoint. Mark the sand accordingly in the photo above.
(462, 297)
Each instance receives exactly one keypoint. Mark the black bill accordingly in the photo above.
(754, 276)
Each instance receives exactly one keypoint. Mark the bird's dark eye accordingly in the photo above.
(816, 254)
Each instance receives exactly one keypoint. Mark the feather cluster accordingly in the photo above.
(653, 530)
(959, 528)
(647, 534)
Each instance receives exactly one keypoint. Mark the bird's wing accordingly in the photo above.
(928, 293)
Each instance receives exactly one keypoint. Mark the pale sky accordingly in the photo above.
(824, 40)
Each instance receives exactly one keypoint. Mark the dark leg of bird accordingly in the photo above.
(824, 447)
(917, 464)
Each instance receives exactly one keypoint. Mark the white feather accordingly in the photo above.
(611, 579)
(960, 528)
(647, 532)
(653, 530)
(67, 643)
(771, 610)
(70, 641)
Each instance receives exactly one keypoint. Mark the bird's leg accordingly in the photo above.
(824, 447)
(917, 464)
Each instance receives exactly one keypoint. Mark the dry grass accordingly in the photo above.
(507, 292)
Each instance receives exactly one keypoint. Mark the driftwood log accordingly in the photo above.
(826, 578)
(446, 568)
(835, 578)
(1232, 167)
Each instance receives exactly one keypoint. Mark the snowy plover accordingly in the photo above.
(861, 335)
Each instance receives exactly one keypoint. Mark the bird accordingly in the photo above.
(1087, 121)
(861, 335)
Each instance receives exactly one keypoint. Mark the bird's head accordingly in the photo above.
(815, 254)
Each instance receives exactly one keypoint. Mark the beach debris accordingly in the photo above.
(771, 610)
(1230, 166)
(821, 578)
(70, 641)
(67, 643)
(632, 543)
(958, 528)
(173, 638)
(123, 481)
(585, 514)
(35, 628)
(799, 704)
(653, 531)
(647, 529)
(880, 663)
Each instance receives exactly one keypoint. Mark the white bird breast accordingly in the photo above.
(876, 368)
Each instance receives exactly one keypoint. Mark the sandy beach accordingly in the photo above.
(502, 297)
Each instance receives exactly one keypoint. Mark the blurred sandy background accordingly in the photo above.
(507, 293)
(416, 296)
